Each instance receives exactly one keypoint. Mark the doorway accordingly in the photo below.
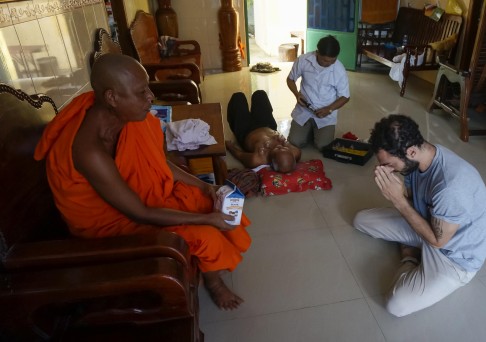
(269, 24)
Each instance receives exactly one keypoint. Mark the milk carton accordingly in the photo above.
(229, 199)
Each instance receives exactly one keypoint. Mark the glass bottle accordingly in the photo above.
(166, 19)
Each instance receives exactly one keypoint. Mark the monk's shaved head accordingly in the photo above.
(113, 71)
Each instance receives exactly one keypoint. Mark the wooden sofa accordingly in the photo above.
(375, 40)
(59, 288)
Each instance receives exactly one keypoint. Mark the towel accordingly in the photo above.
(396, 71)
(188, 135)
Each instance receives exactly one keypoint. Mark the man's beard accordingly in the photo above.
(410, 166)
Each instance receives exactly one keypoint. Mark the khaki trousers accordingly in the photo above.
(414, 287)
(300, 135)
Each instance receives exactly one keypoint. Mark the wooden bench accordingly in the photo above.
(56, 287)
(375, 40)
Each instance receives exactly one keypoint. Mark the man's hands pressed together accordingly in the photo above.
(390, 185)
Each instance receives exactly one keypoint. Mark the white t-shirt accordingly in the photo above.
(452, 190)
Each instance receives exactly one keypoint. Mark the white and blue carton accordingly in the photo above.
(230, 200)
(163, 113)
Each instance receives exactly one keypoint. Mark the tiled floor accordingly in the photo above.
(309, 276)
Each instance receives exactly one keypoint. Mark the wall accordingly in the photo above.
(275, 19)
(45, 45)
(132, 6)
(198, 20)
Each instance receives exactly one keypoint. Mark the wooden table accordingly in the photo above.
(211, 114)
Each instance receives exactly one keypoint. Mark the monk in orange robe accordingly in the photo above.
(109, 175)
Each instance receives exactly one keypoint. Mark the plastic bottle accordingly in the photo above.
(404, 41)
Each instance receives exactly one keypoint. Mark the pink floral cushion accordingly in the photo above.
(307, 175)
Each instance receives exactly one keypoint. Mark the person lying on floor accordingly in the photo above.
(109, 175)
(256, 132)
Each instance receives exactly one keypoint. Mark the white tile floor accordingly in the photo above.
(308, 275)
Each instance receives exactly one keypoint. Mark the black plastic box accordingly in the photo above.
(337, 151)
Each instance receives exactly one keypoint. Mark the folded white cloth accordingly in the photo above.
(188, 135)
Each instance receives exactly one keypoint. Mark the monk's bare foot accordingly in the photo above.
(410, 253)
(219, 292)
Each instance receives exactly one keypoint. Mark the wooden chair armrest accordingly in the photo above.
(75, 252)
(182, 59)
(140, 291)
(416, 50)
(176, 90)
(155, 71)
(187, 47)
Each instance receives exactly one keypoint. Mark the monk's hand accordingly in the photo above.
(390, 185)
(218, 220)
(210, 190)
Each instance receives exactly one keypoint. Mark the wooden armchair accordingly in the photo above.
(184, 61)
(59, 288)
(461, 91)
(170, 91)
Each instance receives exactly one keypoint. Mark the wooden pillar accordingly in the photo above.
(228, 36)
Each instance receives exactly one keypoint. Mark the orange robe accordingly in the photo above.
(142, 164)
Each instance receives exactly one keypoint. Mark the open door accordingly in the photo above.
(338, 18)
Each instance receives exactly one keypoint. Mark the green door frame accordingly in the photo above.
(347, 40)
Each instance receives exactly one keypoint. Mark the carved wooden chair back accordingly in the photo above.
(145, 38)
(25, 198)
(103, 44)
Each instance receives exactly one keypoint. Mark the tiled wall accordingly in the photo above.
(45, 45)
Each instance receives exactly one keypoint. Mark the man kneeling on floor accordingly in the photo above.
(439, 215)
(109, 175)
